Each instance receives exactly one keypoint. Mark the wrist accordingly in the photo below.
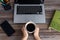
(36, 35)
(24, 38)
(37, 38)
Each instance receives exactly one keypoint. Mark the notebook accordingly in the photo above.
(55, 23)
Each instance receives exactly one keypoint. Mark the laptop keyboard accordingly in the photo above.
(29, 9)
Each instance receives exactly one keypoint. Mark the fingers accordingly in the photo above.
(36, 32)
(25, 33)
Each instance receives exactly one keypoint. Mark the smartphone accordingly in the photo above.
(7, 28)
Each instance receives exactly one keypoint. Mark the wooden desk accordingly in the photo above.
(50, 6)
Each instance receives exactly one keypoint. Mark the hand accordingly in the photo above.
(36, 33)
(25, 34)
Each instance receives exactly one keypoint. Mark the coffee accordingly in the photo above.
(30, 27)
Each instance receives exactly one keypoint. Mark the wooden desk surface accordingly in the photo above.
(45, 34)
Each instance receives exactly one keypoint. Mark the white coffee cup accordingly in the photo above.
(30, 26)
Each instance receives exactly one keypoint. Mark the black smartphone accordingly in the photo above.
(7, 28)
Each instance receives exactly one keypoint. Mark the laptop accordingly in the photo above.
(29, 10)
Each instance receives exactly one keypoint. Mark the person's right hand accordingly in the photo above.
(36, 34)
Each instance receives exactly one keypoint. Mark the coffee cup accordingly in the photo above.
(30, 26)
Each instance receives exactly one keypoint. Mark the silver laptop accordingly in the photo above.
(29, 10)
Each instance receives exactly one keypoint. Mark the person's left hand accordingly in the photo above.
(25, 33)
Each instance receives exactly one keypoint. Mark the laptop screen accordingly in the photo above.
(29, 1)
(29, 9)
